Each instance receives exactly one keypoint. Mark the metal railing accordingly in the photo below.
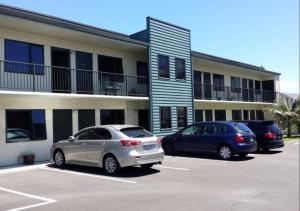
(216, 92)
(34, 77)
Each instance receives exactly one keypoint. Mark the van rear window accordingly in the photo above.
(241, 128)
(272, 127)
(136, 132)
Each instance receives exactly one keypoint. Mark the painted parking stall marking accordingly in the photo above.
(45, 200)
(174, 168)
(90, 175)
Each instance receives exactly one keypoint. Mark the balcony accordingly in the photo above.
(40, 78)
(225, 93)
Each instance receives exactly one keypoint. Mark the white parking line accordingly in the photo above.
(19, 168)
(46, 200)
(90, 175)
(174, 168)
(296, 143)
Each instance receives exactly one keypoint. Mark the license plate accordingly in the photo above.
(149, 147)
(251, 139)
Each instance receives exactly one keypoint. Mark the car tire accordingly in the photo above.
(147, 166)
(169, 148)
(225, 152)
(59, 158)
(111, 165)
(243, 155)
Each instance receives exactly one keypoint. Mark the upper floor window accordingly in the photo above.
(22, 57)
(218, 81)
(180, 68)
(110, 64)
(25, 125)
(84, 61)
(235, 84)
(142, 72)
(165, 117)
(181, 117)
(257, 87)
(163, 66)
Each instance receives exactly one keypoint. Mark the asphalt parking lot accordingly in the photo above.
(183, 182)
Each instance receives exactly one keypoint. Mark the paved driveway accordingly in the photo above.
(184, 182)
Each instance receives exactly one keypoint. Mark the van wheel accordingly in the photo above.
(147, 166)
(59, 158)
(225, 152)
(169, 148)
(111, 165)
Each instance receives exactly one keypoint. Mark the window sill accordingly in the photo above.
(12, 142)
(163, 78)
(165, 129)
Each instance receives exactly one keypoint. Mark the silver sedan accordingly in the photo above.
(111, 147)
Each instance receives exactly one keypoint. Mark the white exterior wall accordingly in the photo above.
(10, 152)
(129, 59)
(231, 71)
(229, 106)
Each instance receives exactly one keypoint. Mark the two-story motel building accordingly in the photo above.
(59, 76)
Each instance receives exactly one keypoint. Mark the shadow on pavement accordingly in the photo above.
(128, 172)
(268, 152)
(211, 156)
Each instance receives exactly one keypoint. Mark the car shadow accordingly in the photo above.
(211, 156)
(128, 172)
(269, 152)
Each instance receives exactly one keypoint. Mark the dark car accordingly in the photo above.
(268, 134)
(224, 138)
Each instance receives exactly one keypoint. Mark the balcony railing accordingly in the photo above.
(41, 78)
(215, 92)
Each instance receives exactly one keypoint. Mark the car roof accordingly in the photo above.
(114, 126)
(223, 122)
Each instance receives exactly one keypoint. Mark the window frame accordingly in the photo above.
(159, 69)
(216, 80)
(169, 119)
(234, 88)
(29, 63)
(32, 126)
(220, 110)
(185, 117)
(176, 69)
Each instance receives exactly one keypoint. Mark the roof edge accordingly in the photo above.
(231, 62)
(64, 23)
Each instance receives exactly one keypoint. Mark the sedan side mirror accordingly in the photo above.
(71, 138)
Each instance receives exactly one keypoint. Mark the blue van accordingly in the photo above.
(224, 138)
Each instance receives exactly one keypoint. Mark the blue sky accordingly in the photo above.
(259, 32)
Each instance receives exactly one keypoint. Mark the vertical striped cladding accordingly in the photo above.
(172, 41)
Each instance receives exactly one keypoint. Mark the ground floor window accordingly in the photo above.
(236, 115)
(181, 117)
(220, 115)
(208, 115)
(112, 117)
(165, 117)
(252, 115)
(246, 114)
(199, 115)
(86, 118)
(259, 115)
(25, 125)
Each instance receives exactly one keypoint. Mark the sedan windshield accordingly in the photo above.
(136, 132)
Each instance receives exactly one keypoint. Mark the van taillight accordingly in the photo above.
(130, 142)
(239, 138)
(270, 135)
